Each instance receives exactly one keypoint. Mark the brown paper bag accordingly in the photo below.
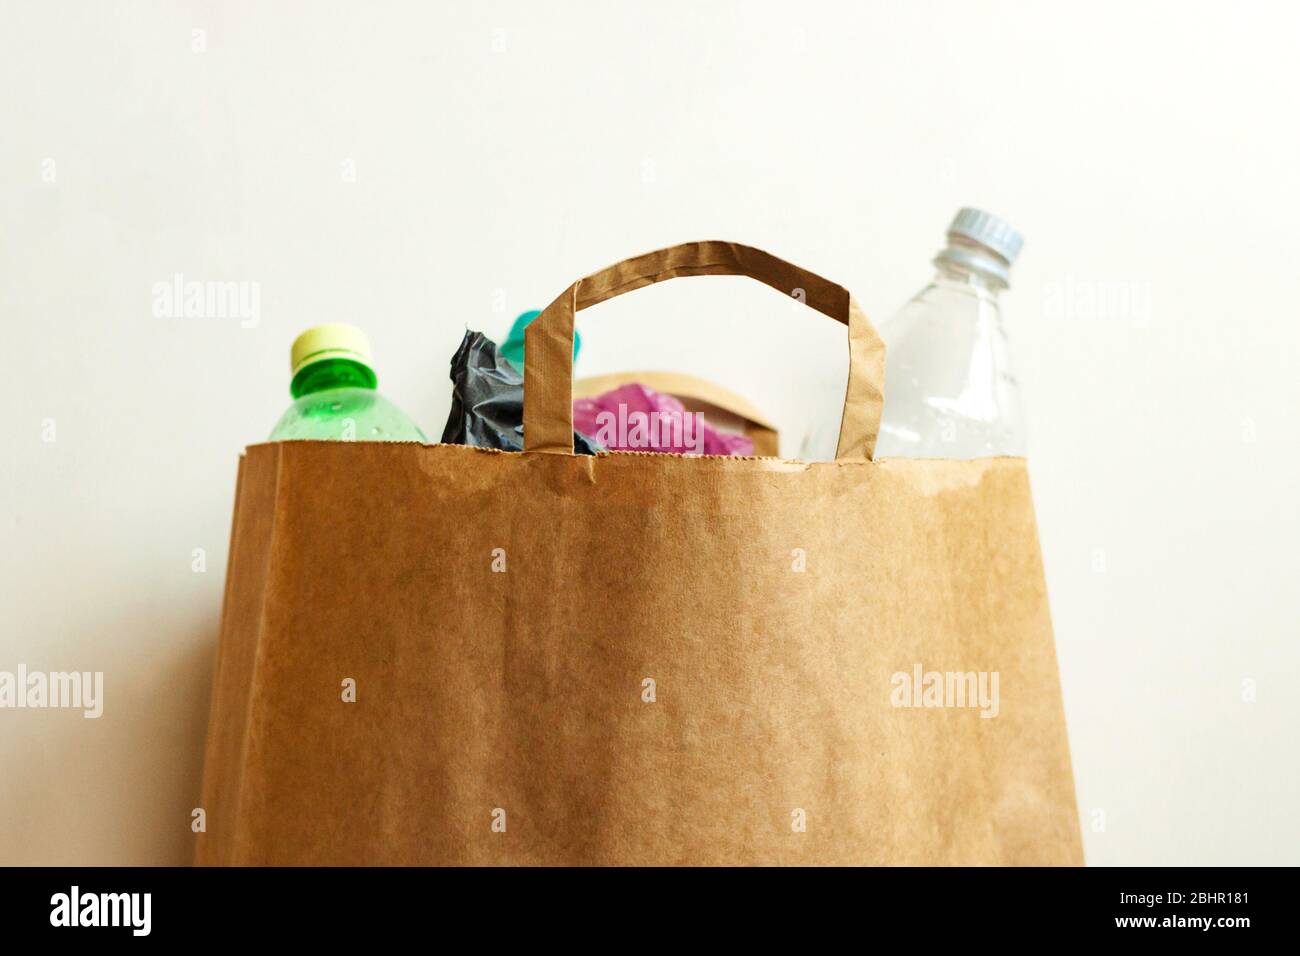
(444, 655)
(723, 409)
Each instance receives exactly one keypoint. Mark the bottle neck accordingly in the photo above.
(331, 373)
(970, 265)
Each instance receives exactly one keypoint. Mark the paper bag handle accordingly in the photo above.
(548, 342)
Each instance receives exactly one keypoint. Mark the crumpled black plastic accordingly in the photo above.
(487, 401)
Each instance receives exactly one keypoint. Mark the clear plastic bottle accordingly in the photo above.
(334, 392)
(950, 391)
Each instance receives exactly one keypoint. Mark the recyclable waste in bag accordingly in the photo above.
(635, 659)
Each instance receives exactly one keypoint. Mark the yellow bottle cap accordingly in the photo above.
(335, 340)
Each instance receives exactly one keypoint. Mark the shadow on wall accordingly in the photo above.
(117, 790)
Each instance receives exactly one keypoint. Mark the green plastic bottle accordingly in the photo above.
(334, 392)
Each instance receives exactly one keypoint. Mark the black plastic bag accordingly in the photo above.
(487, 402)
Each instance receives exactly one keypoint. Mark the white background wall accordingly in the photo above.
(1148, 152)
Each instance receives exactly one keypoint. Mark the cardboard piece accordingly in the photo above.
(448, 655)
